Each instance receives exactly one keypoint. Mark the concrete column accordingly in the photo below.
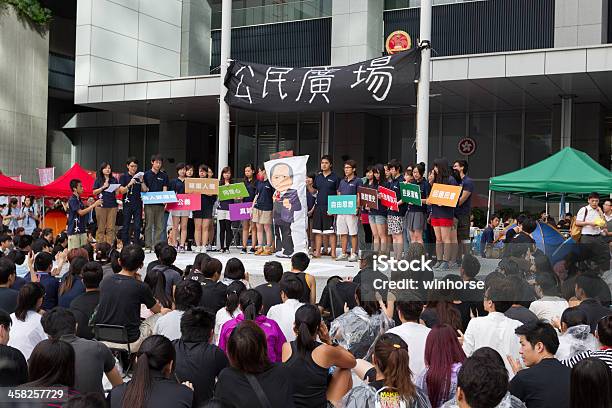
(581, 22)
(567, 120)
(195, 38)
(357, 30)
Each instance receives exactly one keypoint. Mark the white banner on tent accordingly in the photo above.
(46, 175)
(288, 178)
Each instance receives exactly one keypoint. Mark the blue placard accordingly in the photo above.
(342, 204)
(158, 197)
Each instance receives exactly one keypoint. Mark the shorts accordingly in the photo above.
(463, 228)
(347, 224)
(321, 222)
(76, 240)
(377, 219)
(223, 215)
(261, 217)
(395, 224)
(179, 213)
(416, 221)
(206, 214)
(442, 222)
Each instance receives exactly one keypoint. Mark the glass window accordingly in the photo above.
(287, 132)
(508, 143)
(453, 130)
(403, 135)
(481, 161)
(538, 138)
(266, 142)
(246, 145)
(309, 144)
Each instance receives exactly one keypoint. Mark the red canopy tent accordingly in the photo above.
(60, 187)
(10, 187)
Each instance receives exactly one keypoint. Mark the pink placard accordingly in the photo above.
(240, 211)
(186, 202)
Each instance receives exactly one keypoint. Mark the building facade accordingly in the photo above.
(521, 78)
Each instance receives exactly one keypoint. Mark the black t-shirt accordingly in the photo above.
(172, 277)
(163, 393)
(366, 278)
(120, 300)
(270, 293)
(336, 294)
(545, 385)
(213, 295)
(83, 307)
(594, 312)
(8, 300)
(522, 314)
(156, 262)
(305, 298)
(14, 367)
(234, 388)
(200, 364)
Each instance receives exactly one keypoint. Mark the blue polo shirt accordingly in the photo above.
(326, 186)
(133, 193)
(76, 224)
(394, 185)
(264, 192)
(425, 189)
(51, 285)
(349, 187)
(466, 185)
(252, 190)
(440, 211)
(177, 185)
(156, 181)
(109, 200)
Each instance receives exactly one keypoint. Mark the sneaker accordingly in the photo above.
(208, 248)
(180, 249)
(353, 258)
(214, 248)
(281, 254)
(252, 250)
(342, 257)
(243, 250)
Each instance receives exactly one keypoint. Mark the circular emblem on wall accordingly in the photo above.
(466, 146)
(398, 41)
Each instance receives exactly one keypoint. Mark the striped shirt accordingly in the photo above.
(604, 355)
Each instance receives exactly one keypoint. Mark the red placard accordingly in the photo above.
(388, 198)
(186, 202)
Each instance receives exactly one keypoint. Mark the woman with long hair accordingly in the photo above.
(247, 226)
(30, 215)
(442, 219)
(102, 255)
(378, 217)
(52, 365)
(443, 359)
(389, 370)
(106, 215)
(591, 384)
(251, 307)
(309, 360)
(416, 221)
(152, 384)
(11, 215)
(225, 225)
(156, 281)
(262, 213)
(251, 369)
(203, 218)
(178, 235)
(26, 331)
(230, 311)
(72, 283)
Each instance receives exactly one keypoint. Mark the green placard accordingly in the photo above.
(411, 193)
(232, 191)
(342, 204)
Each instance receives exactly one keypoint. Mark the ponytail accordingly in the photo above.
(232, 294)
(307, 321)
(76, 266)
(250, 304)
(393, 361)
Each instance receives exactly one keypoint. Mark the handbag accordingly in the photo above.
(575, 230)
(261, 395)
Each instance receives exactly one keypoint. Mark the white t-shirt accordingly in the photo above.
(26, 335)
(591, 215)
(549, 308)
(284, 315)
(415, 336)
(221, 318)
(169, 325)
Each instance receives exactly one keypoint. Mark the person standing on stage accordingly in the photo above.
(179, 217)
(106, 216)
(326, 183)
(203, 218)
(154, 180)
(131, 187)
(247, 225)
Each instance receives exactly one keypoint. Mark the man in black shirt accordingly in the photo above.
(122, 294)
(213, 291)
(299, 264)
(14, 366)
(592, 292)
(8, 296)
(198, 361)
(270, 291)
(158, 253)
(173, 275)
(546, 383)
(337, 293)
(84, 305)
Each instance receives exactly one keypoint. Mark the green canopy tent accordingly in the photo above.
(568, 175)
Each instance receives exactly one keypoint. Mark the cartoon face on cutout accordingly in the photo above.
(281, 177)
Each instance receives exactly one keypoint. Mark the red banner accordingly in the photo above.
(186, 202)
(388, 198)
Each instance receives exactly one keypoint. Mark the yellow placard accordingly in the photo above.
(207, 186)
(444, 194)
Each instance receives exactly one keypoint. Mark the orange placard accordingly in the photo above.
(444, 194)
(207, 186)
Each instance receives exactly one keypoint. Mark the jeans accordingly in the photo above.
(131, 214)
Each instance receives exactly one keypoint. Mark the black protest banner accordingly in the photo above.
(383, 82)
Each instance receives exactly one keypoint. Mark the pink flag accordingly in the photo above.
(46, 175)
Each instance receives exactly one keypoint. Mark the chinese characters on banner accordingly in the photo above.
(186, 202)
(388, 198)
(46, 175)
(232, 191)
(387, 81)
(411, 193)
(444, 194)
(368, 197)
(158, 197)
(342, 204)
(240, 211)
(207, 186)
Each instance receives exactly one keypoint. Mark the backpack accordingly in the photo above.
(575, 230)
